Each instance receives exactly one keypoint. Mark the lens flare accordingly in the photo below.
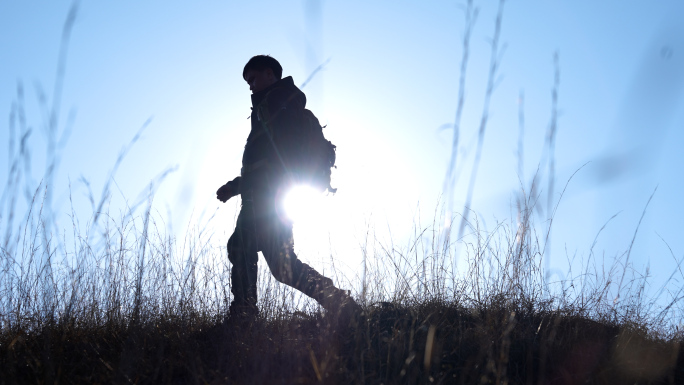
(301, 203)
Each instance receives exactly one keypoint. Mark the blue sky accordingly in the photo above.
(389, 86)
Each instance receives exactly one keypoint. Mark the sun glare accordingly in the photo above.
(302, 203)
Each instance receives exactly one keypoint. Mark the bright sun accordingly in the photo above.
(302, 203)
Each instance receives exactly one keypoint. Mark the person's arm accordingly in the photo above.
(229, 190)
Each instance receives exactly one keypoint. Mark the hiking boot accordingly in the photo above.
(240, 315)
(342, 307)
(350, 314)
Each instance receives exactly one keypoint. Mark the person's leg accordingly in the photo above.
(276, 243)
(242, 253)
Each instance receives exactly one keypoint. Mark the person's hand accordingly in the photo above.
(226, 192)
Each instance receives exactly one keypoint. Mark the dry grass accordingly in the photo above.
(121, 306)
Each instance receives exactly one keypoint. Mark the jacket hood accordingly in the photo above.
(287, 85)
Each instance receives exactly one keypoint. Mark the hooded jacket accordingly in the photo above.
(271, 145)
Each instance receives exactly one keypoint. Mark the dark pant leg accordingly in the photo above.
(276, 243)
(261, 228)
(242, 253)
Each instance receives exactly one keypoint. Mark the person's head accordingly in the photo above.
(261, 71)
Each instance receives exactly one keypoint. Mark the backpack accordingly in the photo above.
(316, 154)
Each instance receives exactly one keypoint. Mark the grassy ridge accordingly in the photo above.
(433, 342)
(127, 304)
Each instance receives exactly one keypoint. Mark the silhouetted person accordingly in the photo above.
(277, 107)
